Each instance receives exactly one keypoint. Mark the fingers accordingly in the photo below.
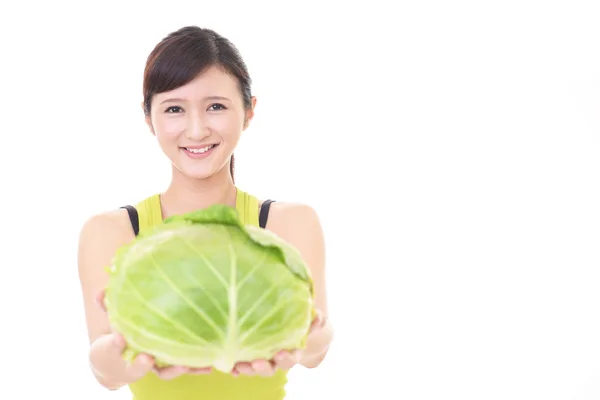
(119, 342)
(283, 360)
(169, 373)
(140, 366)
(200, 371)
(243, 368)
(287, 359)
(144, 363)
(100, 300)
(257, 367)
(318, 321)
(136, 369)
(172, 372)
(263, 367)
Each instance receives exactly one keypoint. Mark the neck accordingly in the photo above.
(186, 194)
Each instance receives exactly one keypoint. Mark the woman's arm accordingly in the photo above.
(100, 237)
(300, 226)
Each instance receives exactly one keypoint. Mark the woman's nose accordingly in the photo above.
(197, 129)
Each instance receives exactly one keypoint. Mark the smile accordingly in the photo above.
(198, 152)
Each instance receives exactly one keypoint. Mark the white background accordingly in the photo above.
(451, 149)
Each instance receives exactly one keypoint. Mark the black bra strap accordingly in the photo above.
(264, 213)
(133, 217)
(135, 222)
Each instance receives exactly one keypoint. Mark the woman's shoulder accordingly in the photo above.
(100, 237)
(114, 221)
(110, 225)
(292, 219)
(289, 209)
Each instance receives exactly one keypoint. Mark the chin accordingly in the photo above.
(198, 172)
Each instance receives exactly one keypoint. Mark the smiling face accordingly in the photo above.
(198, 125)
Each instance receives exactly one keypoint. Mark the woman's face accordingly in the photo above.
(198, 125)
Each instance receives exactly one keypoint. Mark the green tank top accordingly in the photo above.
(216, 385)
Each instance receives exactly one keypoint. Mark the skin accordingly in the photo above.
(208, 110)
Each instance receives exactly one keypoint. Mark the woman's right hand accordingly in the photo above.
(106, 357)
(111, 370)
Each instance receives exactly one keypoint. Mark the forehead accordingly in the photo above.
(212, 82)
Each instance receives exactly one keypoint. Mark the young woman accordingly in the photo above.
(197, 102)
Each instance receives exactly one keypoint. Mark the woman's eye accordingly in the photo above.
(216, 107)
(174, 109)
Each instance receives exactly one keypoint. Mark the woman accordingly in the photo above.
(197, 102)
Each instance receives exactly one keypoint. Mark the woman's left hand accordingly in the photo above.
(284, 360)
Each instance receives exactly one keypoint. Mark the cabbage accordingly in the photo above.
(205, 290)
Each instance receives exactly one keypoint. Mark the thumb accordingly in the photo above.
(141, 364)
(118, 341)
(100, 299)
(318, 321)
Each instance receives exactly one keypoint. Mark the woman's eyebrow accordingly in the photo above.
(180, 100)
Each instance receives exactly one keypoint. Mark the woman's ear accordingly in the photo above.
(147, 119)
(149, 123)
(249, 113)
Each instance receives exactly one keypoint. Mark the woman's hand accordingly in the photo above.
(283, 360)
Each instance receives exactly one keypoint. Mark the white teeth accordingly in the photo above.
(202, 150)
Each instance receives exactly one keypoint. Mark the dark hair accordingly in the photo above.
(184, 54)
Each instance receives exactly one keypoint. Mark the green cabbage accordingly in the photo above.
(204, 290)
